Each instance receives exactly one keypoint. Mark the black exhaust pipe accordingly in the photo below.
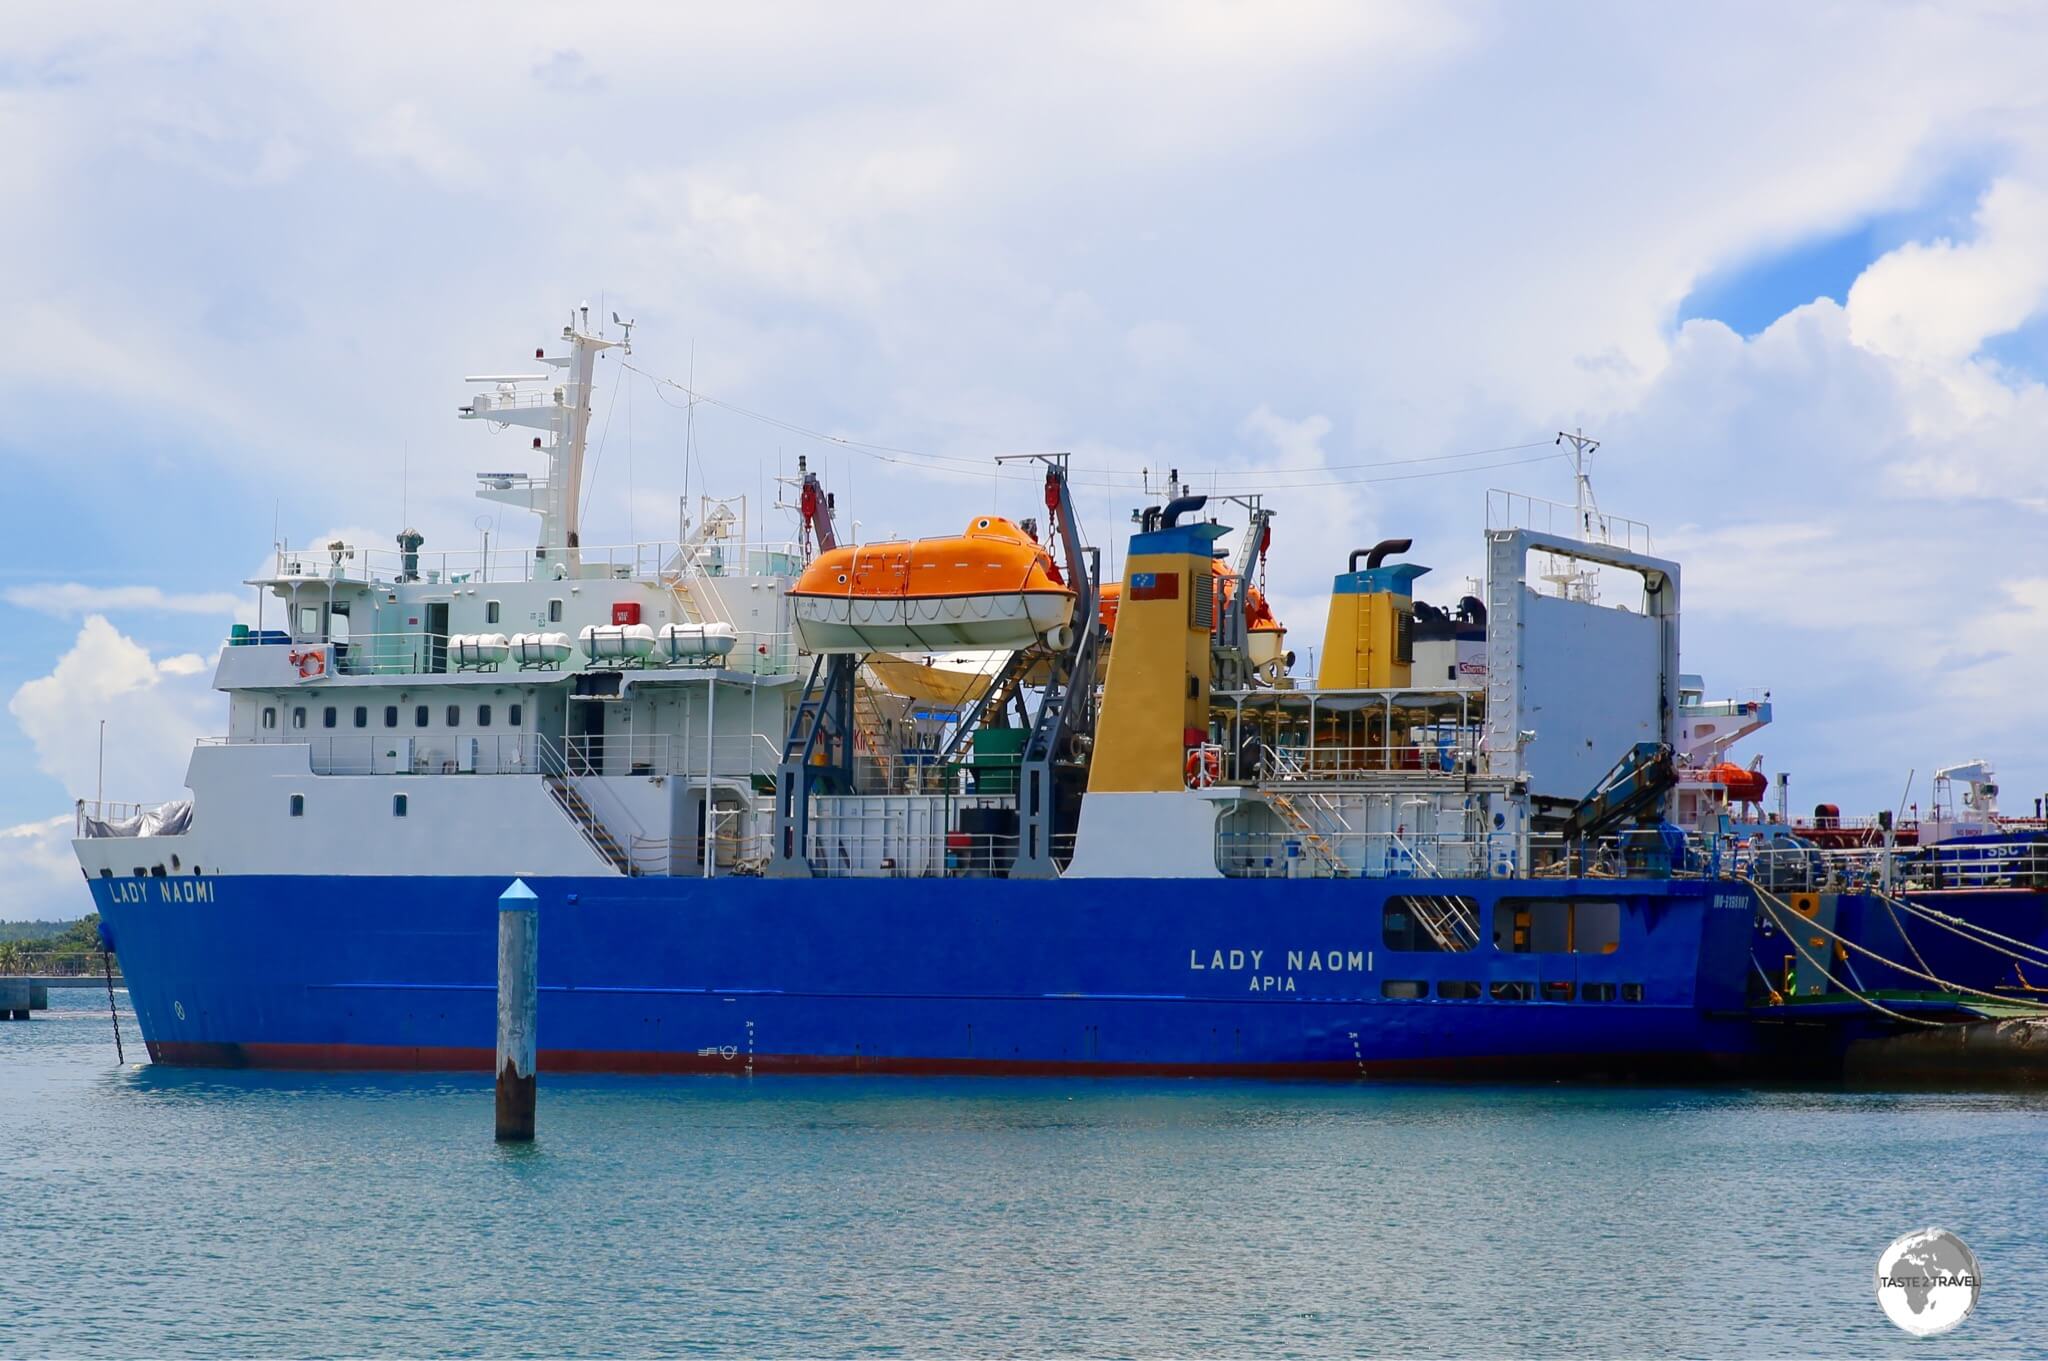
(1179, 506)
(1377, 554)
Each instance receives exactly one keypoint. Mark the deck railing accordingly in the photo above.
(412, 653)
(1947, 865)
(650, 559)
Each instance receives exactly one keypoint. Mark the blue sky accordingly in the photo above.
(1796, 287)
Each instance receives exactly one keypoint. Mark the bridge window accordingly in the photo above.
(362, 715)
(1631, 992)
(298, 716)
(391, 715)
(1557, 992)
(298, 805)
(1510, 990)
(490, 611)
(328, 716)
(554, 611)
(1430, 924)
(420, 715)
(483, 715)
(398, 805)
(1404, 988)
(270, 715)
(1596, 992)
(1458, 989)
(455, 715)
(512, 714)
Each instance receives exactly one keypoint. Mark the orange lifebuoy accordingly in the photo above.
(1204, 767)
(312, 662)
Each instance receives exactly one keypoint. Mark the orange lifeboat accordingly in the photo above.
(1266, 637)
(1743, 785)
(993, 587)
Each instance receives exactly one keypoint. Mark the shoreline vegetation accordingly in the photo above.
(52, 947)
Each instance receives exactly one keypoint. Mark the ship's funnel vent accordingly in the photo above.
(1378, 553)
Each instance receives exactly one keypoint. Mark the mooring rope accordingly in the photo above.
(1801, 946)
(1768, 899)
(1965, 928)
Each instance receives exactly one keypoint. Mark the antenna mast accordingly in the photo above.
(562, 413)
(1591, 528)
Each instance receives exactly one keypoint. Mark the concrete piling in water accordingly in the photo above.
(518, 1006)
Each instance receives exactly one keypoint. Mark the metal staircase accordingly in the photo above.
(871, 734)
(594, 831)
(1317, 843)
(1315, 831)
(1450, 922)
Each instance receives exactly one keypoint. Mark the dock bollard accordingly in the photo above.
(518, 1004)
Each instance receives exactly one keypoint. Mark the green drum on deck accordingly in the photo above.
(997, 754)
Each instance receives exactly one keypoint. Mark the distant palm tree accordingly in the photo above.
(10, 957)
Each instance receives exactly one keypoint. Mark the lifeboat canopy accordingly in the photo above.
(991, 588)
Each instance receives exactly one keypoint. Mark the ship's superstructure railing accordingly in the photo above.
(1783, 866)
(439, 752)
(649, 560)
(1508, 510)
(405, 752)
(923, 855)
(1345, 854)
(412, 653)
(678, 754)
(1330, 736)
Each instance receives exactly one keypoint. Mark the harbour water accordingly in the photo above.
(157, 1211)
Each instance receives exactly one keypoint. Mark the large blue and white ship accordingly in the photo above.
(948, 805)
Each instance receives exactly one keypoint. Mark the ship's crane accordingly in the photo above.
(1234, 670)
(816, 506)
(818, 752)
(1631, 792)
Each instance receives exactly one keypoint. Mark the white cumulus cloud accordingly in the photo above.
(41, 874)
(154, 710)
(72, 597)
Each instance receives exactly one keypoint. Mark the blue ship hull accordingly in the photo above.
(1238, 977)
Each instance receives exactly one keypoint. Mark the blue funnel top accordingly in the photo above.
(1396, 577)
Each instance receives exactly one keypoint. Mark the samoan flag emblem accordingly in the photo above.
(1155, 586)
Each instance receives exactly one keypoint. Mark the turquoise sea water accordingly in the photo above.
(164, 1212)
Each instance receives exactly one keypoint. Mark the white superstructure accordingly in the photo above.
(562, 709)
